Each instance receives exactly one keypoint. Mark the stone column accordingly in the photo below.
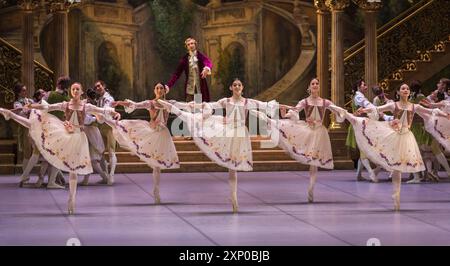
(212, 47)
(251, 63)
(337, 55)
(27, 67)
(61, 32)
(370, 39)
(322, 48)
(27, 72)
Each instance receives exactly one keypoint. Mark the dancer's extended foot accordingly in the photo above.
(360, 178)
(374, 178)
(396, 198)
(310, 195)
(415, 180)
(110, 180)
(234, 204)
(157, 197)
(55, 186)
(433, 176)
(24, 180)
(71, 207)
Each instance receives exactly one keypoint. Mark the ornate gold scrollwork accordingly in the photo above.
(10, 71)
(421, 30)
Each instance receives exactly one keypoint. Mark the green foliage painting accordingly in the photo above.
(231, 65)
(173, 19)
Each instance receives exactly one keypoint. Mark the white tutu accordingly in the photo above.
(439, 128)
(226, 144)
(305, 144)
(153, 146)
(385, 146)
(66, 151)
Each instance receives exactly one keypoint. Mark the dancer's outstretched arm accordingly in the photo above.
(220, 104)
(92, 109)
(293, 112)
(188, 106)
(48, 107)
(18, 118)
(337, 110)
(423, 112)
(389, 107)
(430, 104)
(130, 106)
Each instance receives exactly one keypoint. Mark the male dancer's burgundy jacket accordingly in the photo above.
(183, 65)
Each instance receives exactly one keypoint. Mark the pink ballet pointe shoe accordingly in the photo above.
(157, 197)
(374, 178)
(396, 198)
(234, 204)
(71, 207)
(310, 195)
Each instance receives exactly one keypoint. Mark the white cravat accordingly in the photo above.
(193, 59)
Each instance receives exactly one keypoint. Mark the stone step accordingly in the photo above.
(7, 169)
(189, 145)
(198, 156)
(7, 146)
(258, 166)
(7, 158)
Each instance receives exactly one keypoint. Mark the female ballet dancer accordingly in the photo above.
(439, 127)
(32, 161)
(306, 141)
(391, 144)
(63, 143)
(225, 140)
(149, 140)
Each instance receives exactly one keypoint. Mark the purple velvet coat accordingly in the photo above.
(183, 66)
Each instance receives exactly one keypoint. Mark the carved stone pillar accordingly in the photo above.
(322, 48)
(60, 8)
(27, 68)
(337, 55)
(27, 71)
(370, 29)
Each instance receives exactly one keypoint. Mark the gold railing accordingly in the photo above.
(427, 23)
(360, 45)
(10, 70)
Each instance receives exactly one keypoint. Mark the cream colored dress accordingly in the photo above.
(64, 147)
(224, 139)
(392, 144)
(307, 141)
(149, 140)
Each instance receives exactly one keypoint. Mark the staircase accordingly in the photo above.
(300, 71)
(193, 160)
(413, 45)
(422, 68)
(7, 157)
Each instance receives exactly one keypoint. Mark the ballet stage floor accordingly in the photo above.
(195, 210)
